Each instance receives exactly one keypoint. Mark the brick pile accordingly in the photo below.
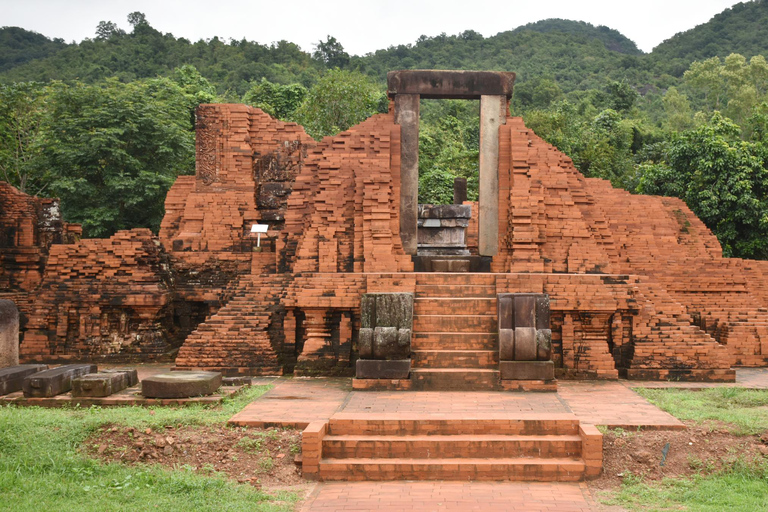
(101, 299)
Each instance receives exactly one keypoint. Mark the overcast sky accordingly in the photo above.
(360, 26)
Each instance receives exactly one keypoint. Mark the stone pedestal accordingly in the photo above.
(442, 229)
(9, 334)
(385, 336)
(525, 342)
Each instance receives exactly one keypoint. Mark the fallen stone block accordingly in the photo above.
(131, 375)
(236, 381)
(375, 369)
(11, 379)
(181, 384)
(55, 381)
(99, 384)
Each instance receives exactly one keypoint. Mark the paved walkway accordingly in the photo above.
(449, 496)
(297, 402)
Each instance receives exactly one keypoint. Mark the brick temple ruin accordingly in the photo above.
(637, 285)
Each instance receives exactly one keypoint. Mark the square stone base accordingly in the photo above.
(527, 370)
(377, 369)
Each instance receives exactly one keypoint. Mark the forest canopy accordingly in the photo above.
(108, 123)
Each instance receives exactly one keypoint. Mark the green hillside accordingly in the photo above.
(741, 29)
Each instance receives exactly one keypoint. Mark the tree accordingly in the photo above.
(279, 101)
(331, 52)
(723, 179)
(137, 19)
(22, 112)
(448, 148)
(105, 30)
(339, 100)
(114, 149)
(677, 109)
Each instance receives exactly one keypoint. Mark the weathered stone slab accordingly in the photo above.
(505, 311)
(527, 370)
(525, 344)
(387, 310)
(236, 381)
(525, 310)
(99, 384)
(375, 369)
(55, 381)
(181, 384)
(9, 334)
(506, 344)
(445, 211)
(11, 378)
(389, 343)
(468, 85)
(543, 344)
(365, 343)
(131, 375)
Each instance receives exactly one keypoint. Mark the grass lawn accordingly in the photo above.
(741, 486)
(41, 468)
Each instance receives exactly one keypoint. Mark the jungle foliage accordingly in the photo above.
(107, 123)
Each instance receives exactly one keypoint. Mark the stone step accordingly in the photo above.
(477, 469)
(456, 290)
(417, 425)
(451, 446)
(454, 323)
(455, 341)
(488, 359)
(463, 306)
(454, 379)
(449, 278)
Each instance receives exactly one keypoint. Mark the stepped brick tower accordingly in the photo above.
(636, 285)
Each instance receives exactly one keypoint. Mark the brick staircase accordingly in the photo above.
(350, 447)
(455, 333)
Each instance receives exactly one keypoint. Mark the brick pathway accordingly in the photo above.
(461, 404)
(449, 496)
(613, 404)
(295, 403)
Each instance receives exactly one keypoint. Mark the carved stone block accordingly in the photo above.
(99, 384)
(11, 379)
(55, 381)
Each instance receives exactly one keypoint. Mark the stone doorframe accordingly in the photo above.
(494, 90)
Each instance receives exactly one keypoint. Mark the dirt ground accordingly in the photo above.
(264, 458)
(690, 451)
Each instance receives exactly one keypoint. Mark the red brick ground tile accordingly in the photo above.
(449, 496)
(295, 402)
(613, 404)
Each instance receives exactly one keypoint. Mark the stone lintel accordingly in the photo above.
(467, 85)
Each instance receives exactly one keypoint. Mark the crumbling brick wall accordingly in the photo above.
(28, 227)
(102, 299)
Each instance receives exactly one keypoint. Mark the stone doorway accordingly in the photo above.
(494, 90)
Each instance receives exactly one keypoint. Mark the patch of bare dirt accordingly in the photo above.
(261, 457)
(690, 451)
